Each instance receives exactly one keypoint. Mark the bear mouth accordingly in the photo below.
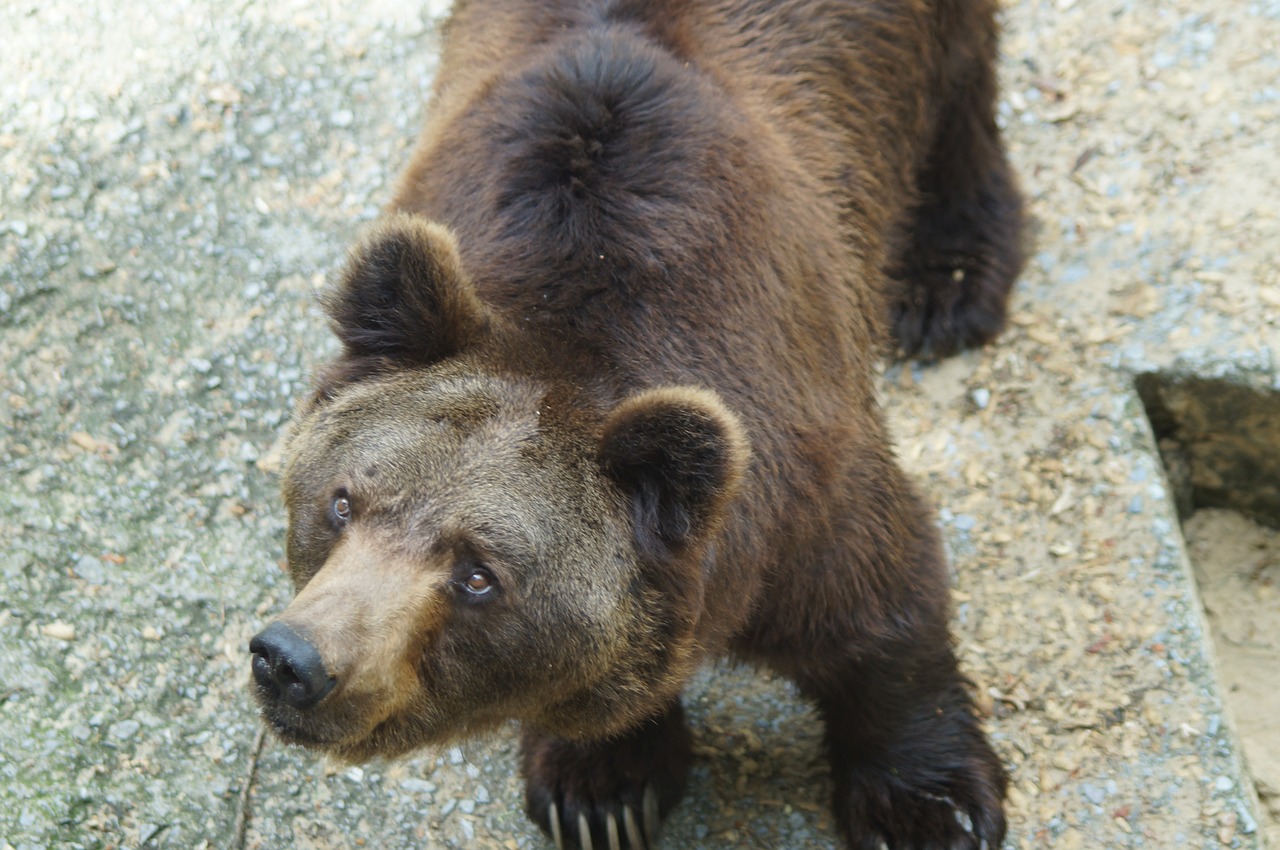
(328, 735)
(304, 731)
(292, 733)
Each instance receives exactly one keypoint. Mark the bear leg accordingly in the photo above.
(911, 766)
(609, 794)
(963, 247)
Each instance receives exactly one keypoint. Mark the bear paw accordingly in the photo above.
(606, 795)
(954, 277)
(885, 811)
(943, 311)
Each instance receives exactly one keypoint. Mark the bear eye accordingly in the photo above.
(475, 581)
(479, 582)
(341, 508)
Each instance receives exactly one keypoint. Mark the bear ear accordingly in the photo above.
(403, 298)
(679, 455)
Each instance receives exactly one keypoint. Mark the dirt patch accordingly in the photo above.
(1237, 565)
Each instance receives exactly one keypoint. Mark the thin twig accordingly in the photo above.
(251, 775)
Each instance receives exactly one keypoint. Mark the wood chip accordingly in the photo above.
(59, 631)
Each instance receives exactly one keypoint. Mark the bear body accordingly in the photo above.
(604, 407)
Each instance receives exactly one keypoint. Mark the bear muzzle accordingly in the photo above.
(339, 669)
(308, 697)
(288, 668)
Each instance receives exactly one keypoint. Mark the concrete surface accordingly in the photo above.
(177, 178)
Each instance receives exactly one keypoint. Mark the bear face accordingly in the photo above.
(472, 545)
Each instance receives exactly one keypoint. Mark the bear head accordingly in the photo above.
(476, 533)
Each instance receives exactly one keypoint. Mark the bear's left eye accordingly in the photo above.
(479, 582)
(341, 509)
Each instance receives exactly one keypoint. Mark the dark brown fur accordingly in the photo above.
(623, 386)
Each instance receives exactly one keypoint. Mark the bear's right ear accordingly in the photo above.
(679, 454)
(403, 297)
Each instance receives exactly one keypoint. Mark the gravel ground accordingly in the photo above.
(175, 181)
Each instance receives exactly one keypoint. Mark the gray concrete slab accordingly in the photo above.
(176, 179)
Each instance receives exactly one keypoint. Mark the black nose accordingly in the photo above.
(286, 665)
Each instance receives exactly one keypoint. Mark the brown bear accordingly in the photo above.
(605, 406)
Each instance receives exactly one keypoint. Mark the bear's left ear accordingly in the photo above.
(403, 297)
(679, 455)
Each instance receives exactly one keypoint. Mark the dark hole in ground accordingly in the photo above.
(1220, 442)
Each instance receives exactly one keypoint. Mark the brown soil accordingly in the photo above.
(1237, 565)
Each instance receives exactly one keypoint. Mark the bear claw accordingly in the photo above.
(651, 819)
(553, 818)
(633, 829)
(627, 835)
(636, 839)
(611, 830)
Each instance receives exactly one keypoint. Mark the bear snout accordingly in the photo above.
(287, 667)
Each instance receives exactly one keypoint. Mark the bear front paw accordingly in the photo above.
(611, 794)
(609, 826)
(886, 810)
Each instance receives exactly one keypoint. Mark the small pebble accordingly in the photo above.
(418, 786)
(91, 569)
(59, 631)
(123, 730)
